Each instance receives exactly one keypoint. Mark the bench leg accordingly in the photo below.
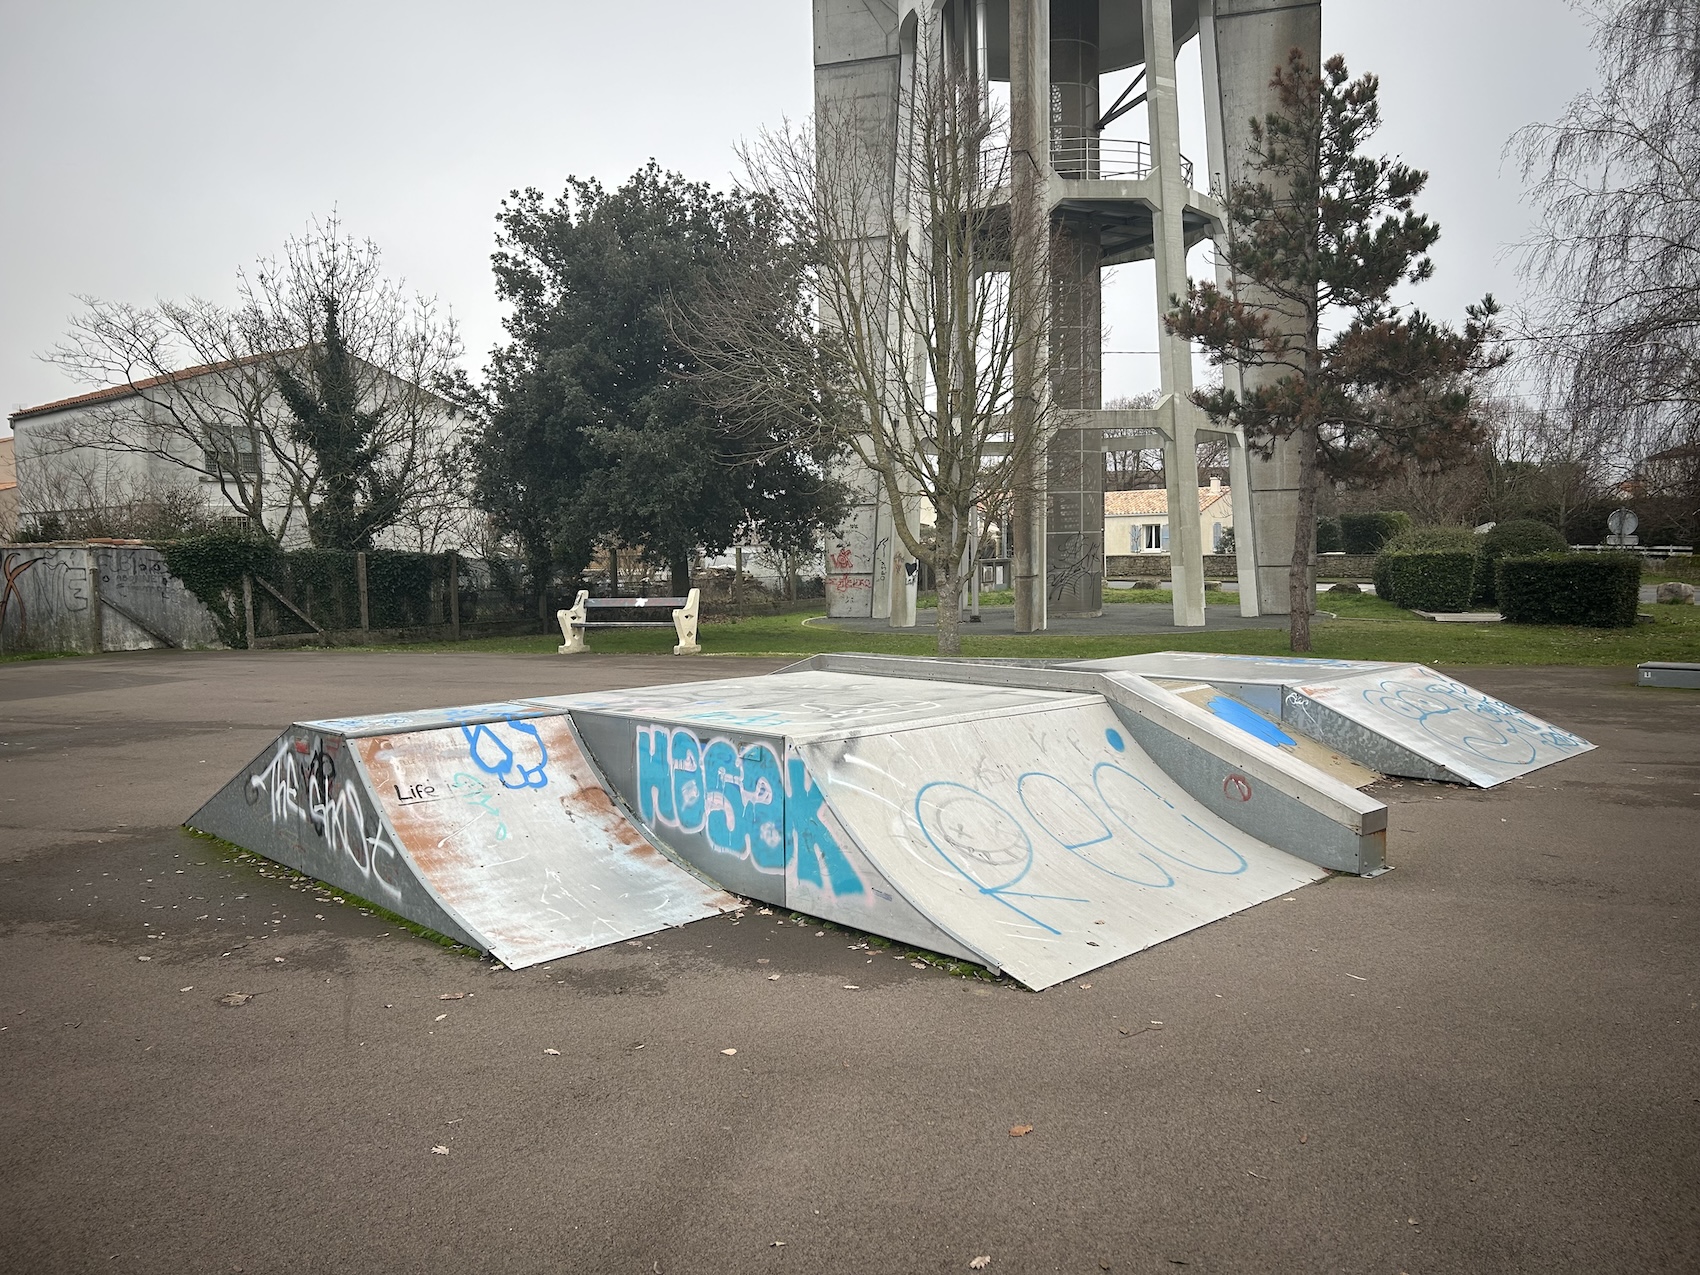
(572, 627)
(685, 625)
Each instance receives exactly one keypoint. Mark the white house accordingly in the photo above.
(1138, 521)
(212, 439)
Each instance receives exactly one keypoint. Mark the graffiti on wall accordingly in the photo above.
(744, 802)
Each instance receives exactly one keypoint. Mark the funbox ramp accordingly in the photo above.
(487, 824)
(1020, 827)
(1395, 719)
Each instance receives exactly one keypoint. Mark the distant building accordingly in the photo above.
(8, 489)
(1138, 521)
(210, 440)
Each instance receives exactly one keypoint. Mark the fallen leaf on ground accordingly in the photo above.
(236, 998)
(920, 965)
(277, 960)
(1086, 987)
(851, 987)
(439, 1018)
(777, 1244)
(772, 978)
(555, 1052)
(980, 1263)
(439, 1150)
(190, 988)
(1304, 1137)
(1020, 1130)
(452, 996)
(728, 1052)
(764, 912)
(761, 960)
(144, 958)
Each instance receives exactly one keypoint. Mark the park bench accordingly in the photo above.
(576, 622)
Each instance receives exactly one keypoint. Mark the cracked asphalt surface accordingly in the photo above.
(1483, 1061)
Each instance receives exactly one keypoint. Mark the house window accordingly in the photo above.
(1153, 536)
(231, 451)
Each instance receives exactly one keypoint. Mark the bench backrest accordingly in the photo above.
(630, 603)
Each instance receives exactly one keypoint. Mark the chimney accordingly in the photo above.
(1215, 483)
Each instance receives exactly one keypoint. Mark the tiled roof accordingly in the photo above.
(113, 393)
(1153, 501)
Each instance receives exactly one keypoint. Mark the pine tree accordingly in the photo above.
(1319, 237)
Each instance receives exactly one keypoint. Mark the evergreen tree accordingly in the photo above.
(1319, 237)
(596, 429)
(359, 492)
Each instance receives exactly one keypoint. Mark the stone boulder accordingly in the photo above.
(1676, 592)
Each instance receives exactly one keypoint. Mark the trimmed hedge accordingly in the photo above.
(1427, 580)
(1367, 533)
(1328, 537)
(1599, 590)
(1518, 538)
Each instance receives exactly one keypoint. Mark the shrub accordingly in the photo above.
(1595, 589)
(1328, 537)
(1344, 587)
(1428, 579)
(1519, 538)
(1434, 540)
(1452, 541)
(1366, 533)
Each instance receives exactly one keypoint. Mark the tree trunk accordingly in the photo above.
(948, 580)
(1301, 598)
(679, 573)
(613, 571)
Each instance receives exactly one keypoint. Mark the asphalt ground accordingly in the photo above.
(1482, 1061)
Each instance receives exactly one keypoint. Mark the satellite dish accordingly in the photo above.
(1622, 521)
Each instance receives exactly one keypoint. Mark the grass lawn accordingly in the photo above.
(1367, 628)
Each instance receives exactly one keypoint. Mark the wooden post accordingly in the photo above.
(737, 579)
(454, 595)
(365, 609)
(248, 608)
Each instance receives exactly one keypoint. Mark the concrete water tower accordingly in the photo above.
(1110, 201)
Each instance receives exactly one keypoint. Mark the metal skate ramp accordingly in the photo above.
(487, 824)
(1393, 718)
(1021, 827)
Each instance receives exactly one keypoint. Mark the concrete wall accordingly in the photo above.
(88, 598)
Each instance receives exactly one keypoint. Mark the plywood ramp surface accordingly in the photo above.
(508, 824)
(1047, 841)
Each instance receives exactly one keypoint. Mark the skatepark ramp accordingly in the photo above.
(1391, 718)
(487, 824)
(1041, 820)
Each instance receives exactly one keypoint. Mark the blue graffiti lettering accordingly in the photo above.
(764, 808)
(685, 756)
(654, 776)
(812, 845)
(742, 803)
(506, 758)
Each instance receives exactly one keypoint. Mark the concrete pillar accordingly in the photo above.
(1029, 59)
(1251, 38)
(1074, 540)
(1180, 447)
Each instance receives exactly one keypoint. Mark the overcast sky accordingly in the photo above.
(150, 147)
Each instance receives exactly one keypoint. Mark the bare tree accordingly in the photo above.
(1615, 261)
(201, 403)
(906, 333)
(205, 380)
